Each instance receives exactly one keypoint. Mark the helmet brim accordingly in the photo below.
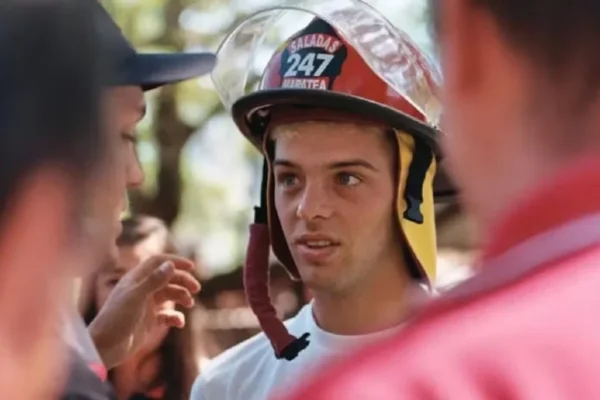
(245, 107)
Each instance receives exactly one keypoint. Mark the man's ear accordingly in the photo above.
(35, 233)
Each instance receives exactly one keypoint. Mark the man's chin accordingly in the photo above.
(319, 280)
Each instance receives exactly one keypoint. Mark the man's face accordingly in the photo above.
(334, 195)
(124, 109)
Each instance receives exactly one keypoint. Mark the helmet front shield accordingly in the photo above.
(389, 52)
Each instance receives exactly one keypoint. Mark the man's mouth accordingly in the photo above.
(316, 241)
(316, 248)
(317, 244)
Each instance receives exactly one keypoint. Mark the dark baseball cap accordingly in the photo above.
(147, 70)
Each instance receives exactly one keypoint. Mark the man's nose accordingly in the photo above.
(135, 174)
(314, 202)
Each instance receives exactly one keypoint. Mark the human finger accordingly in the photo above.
(155, 280)
(154, 262)
(171, 318)
(175, 293)
(185, 279)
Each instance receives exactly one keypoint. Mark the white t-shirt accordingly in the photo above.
(250, 371)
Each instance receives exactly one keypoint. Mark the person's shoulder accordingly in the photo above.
(238, 360)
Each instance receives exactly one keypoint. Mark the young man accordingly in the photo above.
(122, 325)
(523, 112)
(347, 200)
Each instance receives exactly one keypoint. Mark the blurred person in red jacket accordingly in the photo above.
(522, 98)
(345, 116)
(52, 146)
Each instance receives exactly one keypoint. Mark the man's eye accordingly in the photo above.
(287, 179)
(347, 179)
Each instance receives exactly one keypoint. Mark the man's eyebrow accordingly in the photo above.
(352, 163)
(334, 165)
(284, 163)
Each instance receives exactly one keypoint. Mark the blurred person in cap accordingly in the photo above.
(523, 115)
(347, 201)
(166, 364)
(52, 146)
(132, 310)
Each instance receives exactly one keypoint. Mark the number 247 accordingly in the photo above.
(306, 64)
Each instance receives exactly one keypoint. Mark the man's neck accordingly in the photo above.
(366, 309)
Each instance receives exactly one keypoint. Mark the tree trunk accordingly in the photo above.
(171, 134)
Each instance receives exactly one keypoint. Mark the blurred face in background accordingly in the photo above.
(129, 256)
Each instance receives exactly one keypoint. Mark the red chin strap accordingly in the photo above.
(256, 284)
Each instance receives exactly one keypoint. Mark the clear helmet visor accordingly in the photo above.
(389, 52)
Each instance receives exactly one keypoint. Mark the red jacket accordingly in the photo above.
(526, 327)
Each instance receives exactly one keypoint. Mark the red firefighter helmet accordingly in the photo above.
(347, 64)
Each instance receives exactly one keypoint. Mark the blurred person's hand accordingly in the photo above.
(143, 298)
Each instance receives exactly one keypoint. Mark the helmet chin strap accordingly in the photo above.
(256, 282)
(413, 193)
